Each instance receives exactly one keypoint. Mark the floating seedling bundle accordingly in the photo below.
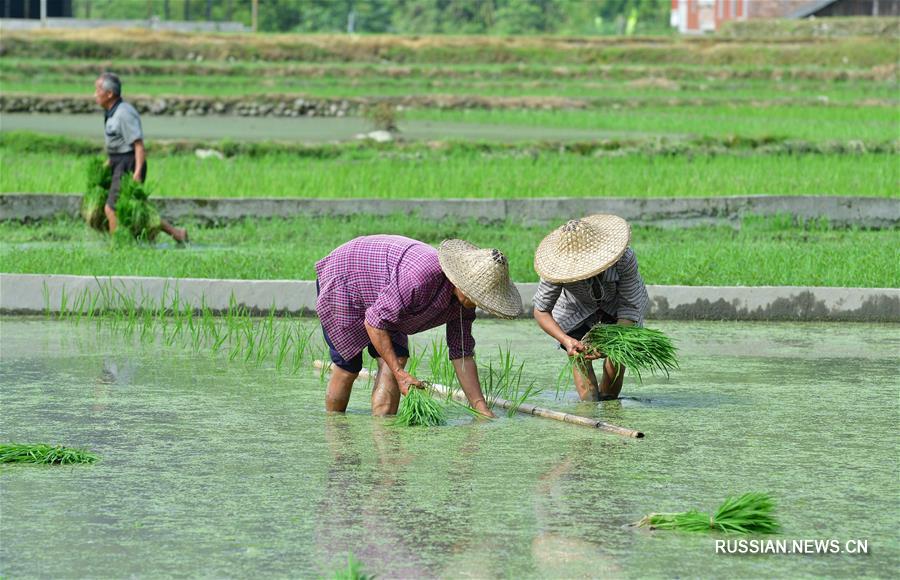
(44, 454)
(750, 513)
(134, 211)
(635, 347)
(419, 408)
(353, 571)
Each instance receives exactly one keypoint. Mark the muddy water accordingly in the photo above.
(211, 468)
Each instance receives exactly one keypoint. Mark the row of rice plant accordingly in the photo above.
(234, 334)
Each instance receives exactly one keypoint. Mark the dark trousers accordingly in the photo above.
(121, 163)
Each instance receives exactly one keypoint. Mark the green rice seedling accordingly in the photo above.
(750, 513)
(417, 408)
(414, 360)
(441, 367)
(44, 454)
(283, 344)
(634, 347)
(135, 212)
(302, 337)
(93, 202)
(45, 293)
(353, 571)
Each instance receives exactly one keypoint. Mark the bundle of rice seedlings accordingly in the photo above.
(750, 513)
(635, 347)
(419, 408)
(135, 212)
(353, 571)
(44, 454)
(99, 177)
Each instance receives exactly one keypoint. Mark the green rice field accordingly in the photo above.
(375, 174)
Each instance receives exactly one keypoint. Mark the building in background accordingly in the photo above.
(699, 16)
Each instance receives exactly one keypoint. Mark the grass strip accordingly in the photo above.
(44, 454)
(110, 44)
(750, 513)
(758, 252)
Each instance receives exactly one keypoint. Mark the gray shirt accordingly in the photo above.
(619, 291)
(122, 128)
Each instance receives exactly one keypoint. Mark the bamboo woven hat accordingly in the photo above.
(582, 248)
(482, 275)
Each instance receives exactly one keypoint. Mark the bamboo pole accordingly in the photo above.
(527, 409)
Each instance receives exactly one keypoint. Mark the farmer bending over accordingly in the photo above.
(589, 274)
(124, 145)
(374, 291)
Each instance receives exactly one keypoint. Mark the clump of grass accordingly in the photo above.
(353, 571)
(750, 513)
(634, 347)
(135, 212)
(419, 408)
(44, 454)
(99, 176)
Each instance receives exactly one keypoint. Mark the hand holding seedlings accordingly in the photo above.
(575, 347)
(589, 275)
(406, 381)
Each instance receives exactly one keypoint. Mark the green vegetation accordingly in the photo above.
(110, 44)
(44, 454)
(377, 173)
(603, 85)
(353, 571)
(418, 408)
(757, 252)
(813, 123)
(409, 16)
(234, 334)
(632, 347)
(135, 213)
(750, 513)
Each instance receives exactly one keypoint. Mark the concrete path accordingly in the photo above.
(868, 212)
(38, 293)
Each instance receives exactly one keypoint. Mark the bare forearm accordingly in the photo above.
(382, 341)
(467, 373)
(140, 157)
(549, 325)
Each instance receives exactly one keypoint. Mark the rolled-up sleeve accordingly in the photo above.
(387, 310)
(632, 293)
(546, 296)
(460, 341)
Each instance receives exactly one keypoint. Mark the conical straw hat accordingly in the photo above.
(482, 275)
(582, 248)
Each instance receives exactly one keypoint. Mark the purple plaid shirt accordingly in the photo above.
(393, 283)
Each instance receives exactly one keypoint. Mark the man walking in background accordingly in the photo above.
(125, 146)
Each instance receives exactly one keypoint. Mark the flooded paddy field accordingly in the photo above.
(214, 468)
